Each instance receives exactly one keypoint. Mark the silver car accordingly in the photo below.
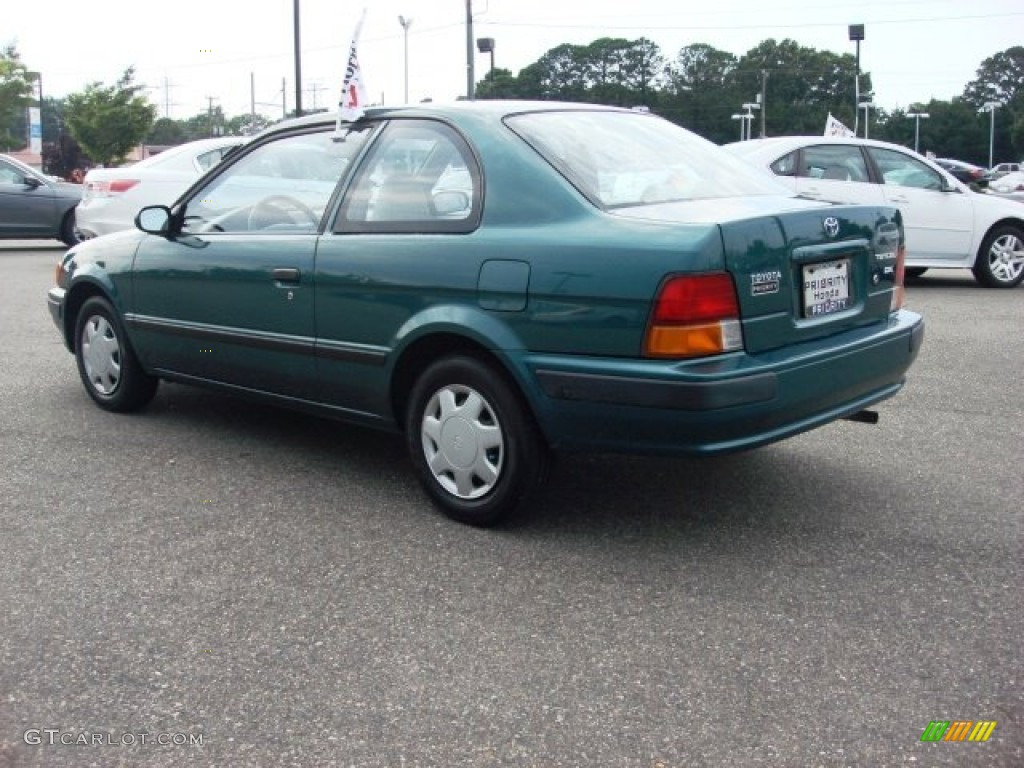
(34, 206)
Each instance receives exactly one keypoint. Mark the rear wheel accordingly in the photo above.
(472, 440)
(1000, 262)
(109, 369)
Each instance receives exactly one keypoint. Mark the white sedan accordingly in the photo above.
(1010, 185)
(114, 195)
(947, 224)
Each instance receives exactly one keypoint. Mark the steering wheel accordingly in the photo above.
(278, 207)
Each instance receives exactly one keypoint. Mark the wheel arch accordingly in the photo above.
(429, 347)
(77, 295)
(1006, 221)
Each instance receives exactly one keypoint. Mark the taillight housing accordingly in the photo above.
(109, 188)
(694, 316)
(899, 293)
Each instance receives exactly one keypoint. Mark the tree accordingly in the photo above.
(246, 125)
(702, 96)
(108, 121)
(166, 132)
(499, 84)
(15, 95)
(1000, 78)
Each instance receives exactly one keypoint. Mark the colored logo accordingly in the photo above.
(958, 730)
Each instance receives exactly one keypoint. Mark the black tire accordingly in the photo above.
(912, 273)
(68, 230)
(109, 369)
(473, 441)
(1000, 262)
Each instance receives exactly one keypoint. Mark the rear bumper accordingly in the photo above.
(737, 402)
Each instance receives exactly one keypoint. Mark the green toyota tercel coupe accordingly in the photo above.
(497, 280)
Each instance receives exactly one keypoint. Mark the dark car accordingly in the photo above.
(34, 206)
(496, 280)
(965, 172)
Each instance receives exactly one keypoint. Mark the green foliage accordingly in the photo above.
(108, 121)
(703, 88)
(16, 88)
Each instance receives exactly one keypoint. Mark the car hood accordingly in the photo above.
(714, 211)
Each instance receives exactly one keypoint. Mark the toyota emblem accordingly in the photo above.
(831, 226)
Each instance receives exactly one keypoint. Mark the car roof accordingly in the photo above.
(453, 109)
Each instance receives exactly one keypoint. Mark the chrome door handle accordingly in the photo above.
(286, 275)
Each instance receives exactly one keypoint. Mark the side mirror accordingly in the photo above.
(948, 186)
(32, 182)
(154, 220)
(451, 204)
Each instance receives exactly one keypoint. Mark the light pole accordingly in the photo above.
(406, 23)
(298, 59)
(486, 45)
(470, 75)
(856, 34)
(991, 107)
(743, 124)
(866, 106)
(749, 117)
(918, 117)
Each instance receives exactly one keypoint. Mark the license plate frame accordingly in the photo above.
(826, 288)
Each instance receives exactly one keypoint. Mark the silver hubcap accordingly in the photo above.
(1006, 258)
(462, 441)
(101, 355)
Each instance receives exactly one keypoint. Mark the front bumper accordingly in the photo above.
(727, 404)
(55, 303)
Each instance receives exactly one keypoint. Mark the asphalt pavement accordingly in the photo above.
(212, 582)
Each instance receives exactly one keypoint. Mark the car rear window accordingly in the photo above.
(634, 158)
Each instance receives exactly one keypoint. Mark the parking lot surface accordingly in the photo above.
(216, 583)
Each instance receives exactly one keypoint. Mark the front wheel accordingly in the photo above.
(109, 369)
(1000, 262)
(472, 441)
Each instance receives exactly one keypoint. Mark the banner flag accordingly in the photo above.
(835, 128)
(352, 103)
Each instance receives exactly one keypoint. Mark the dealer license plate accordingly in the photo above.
(826, 287)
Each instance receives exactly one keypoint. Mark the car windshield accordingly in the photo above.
(622, 159)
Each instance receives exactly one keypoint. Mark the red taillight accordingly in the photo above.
(108, 188)
(694, 315)
(117, 186)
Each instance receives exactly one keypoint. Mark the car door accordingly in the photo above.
(230, 299)
(836, 173)
(28, 207)
(937, 217)
(402, 240)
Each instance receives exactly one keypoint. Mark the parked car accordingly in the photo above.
(965, 172)
(114, 195)
(1000, 170)
(34, 206)
(947, 224)
(496, 280)
(1011, 186)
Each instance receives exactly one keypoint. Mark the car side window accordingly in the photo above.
(903, 170)
(419, 176)
(10, 175)
(833, 162)
(785, 165)
(282, 186)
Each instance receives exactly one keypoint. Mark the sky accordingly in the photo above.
(191, 54)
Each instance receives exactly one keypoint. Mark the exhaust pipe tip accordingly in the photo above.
(864, 417)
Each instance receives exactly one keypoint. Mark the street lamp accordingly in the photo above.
(486, 45)
(743, 124)
(918, 117)
(866, 106)
(991, 107)
(406, 23)
(856, 34)
(748, 116)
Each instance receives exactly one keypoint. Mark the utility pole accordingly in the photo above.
(470, 76)
(298, 61)
(764, 96)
